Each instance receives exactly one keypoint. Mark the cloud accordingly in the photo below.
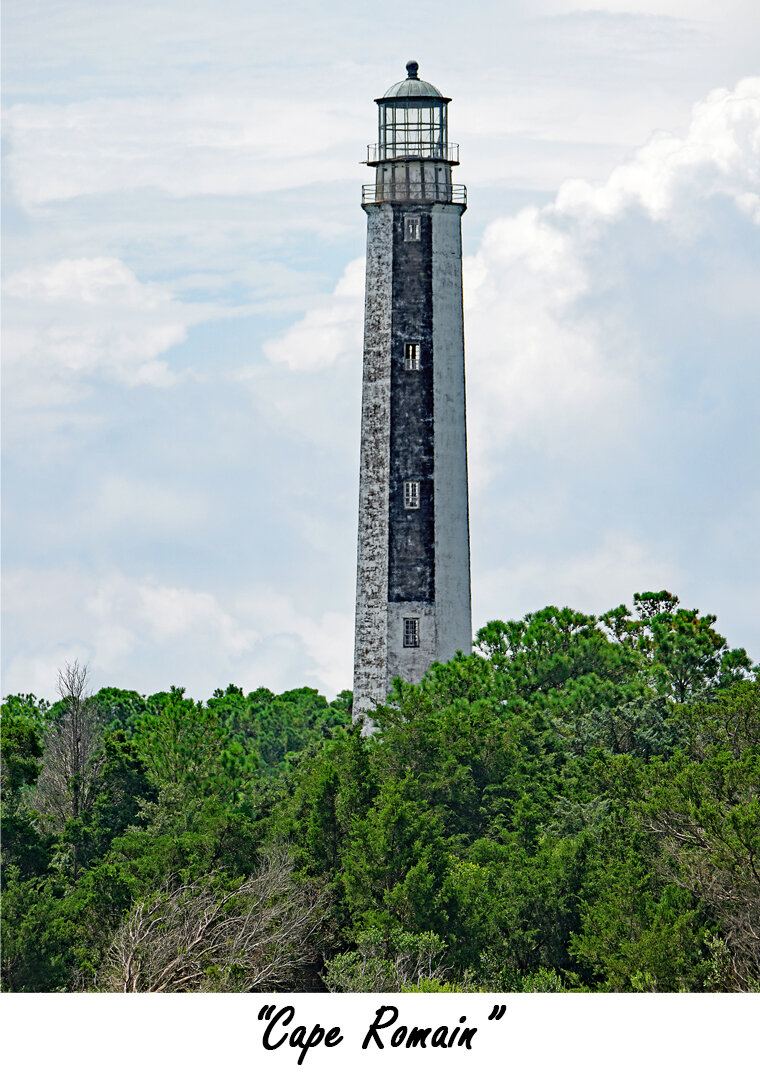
(146, 507)
(77, 317)
(538, 367)
(611, 340)
(578, 312)
(191, 145)
(100, 281)
(145, 634)
(596, 579)
(563, 341)
(329, 334)
(553, 356)
(720, 155)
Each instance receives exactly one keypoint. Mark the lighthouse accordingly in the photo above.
(413, 565)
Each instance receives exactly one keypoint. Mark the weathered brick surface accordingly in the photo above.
(370, 655)
(411, 563)
(452, 533)
(411, 539)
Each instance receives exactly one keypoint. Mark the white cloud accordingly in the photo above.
(720, 155)
(144, 507)
(538, 370)
(327, 639)
(168, 613)
(103, 281)
(223, 145)
(76, 317)
(328, 334)
(592, 581)
(145, 634)
(552, 361)
(688, 9)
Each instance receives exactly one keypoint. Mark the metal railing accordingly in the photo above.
(430, 151)
(414, 191)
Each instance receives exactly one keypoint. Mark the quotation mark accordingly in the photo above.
(266, 1012)
(497, 1012)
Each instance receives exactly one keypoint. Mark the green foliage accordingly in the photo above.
(638, 934)
(704, 808)
(334, 787)
(277, 727)
(181, 743)
(389, 963)
(395, 863)
(119, 710)
(646, 727)
(559, 659)
(686, 657)
(516, 910)
(574, 807)
(21, 734)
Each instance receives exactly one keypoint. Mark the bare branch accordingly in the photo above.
(198, 937)
(71, 763)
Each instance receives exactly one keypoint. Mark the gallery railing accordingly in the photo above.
(415, 148)
(414, 191)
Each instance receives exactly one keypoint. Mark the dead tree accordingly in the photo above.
(71, 763)
(199, 937)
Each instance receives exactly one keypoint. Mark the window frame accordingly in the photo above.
(412, 228)
(412, 356)
(411, 632)
(412, 494)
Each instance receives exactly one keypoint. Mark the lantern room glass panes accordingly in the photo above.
(413, 131)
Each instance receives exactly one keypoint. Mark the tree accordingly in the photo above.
(686, 657)
(21, 740)
(396, 862)
(183, 743)
(119, 709)
(639, 934)
(544, 810)
(72, 761)
(706, 815)
(201, 936)
(559, 659)
(387, 964)
(23, 724)
(278, 726)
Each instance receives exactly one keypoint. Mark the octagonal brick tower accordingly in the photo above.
(413, 573)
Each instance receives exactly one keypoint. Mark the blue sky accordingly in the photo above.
(183, 284)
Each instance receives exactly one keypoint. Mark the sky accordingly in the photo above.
(183, 261)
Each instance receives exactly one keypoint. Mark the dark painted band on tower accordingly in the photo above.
(411, 533)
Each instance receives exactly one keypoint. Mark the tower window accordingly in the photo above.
(411, 495)
(411, 227)
(411, 633)
(411, 357)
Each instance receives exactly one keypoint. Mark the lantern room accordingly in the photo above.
(412, 156)
(412, 119)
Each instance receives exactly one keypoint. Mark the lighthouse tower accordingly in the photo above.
(413, 574)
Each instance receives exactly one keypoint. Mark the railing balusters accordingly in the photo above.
(428, 151)
(414, 191)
